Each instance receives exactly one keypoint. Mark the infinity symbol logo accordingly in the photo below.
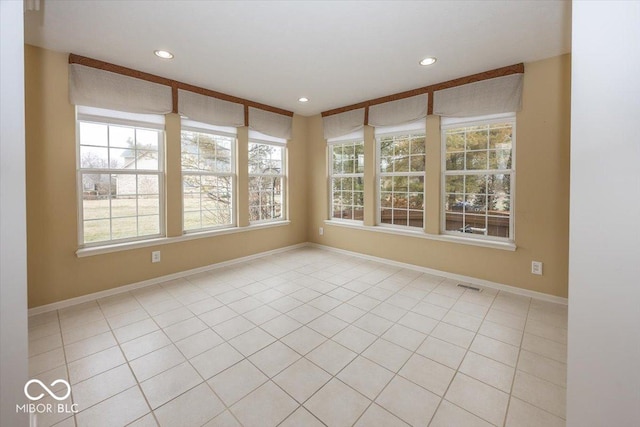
(52, 394)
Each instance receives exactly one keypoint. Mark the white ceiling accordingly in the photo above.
(334, 53)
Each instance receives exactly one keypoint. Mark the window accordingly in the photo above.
(346, 179)
(401, 167)
(208, 177)
(120, 176)
(266, 178)
(479, 174)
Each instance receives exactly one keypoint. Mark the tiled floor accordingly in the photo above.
(307, 338)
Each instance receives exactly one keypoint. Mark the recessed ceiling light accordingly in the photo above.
(164, 54)
(430, 60)
(303, 99)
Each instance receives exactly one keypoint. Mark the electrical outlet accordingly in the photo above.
(321, 231)
(536, 267)
(155, 256)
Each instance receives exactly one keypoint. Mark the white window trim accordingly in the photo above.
(109, 117)
(420, 234)
(258, 138)
(417, 126)
(192, 126)
(101, 115)
(119, 247)
(410, 130)
(454, 123)
(353, 138)
(261, 138)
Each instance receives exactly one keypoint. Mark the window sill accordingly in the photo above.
(505, 246)
(99, 250)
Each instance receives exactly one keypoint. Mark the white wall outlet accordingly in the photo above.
(536, 267)
(155, 256)
(321, 231)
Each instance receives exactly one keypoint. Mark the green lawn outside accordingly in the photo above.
(125, 224)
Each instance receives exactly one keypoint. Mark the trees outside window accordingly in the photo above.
(478, 177)
(346, 160)
(208, 179)
(266, 181)
(120, 180)
(401, 170)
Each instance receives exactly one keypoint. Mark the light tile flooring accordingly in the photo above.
(306, 337)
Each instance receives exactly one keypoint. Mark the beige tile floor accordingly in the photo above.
(306, 337)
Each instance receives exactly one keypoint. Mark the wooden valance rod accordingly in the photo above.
(175, 85)
(498, 72)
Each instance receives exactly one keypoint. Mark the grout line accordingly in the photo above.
(360, 354)
(187, 360)
(515, 370)
(227, 408)
(485, 283)
(310, 268)
(128, 365)
(457, 370)
(66, 364)
(128, 362)
(138, 383)
(301, 405)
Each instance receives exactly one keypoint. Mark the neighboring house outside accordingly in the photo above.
(125, 185)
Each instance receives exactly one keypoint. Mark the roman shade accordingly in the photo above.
(206, 109)
(492, 96)
(416, 126)
(269, 123)
(345, 123)
(353, 136)
(94, 87)
(398, 112)
(150, 121)
(195, 126)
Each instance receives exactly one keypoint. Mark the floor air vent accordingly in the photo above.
(469, 287)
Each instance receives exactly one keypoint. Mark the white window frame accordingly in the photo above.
(191, 126)
(351, 139)
(455, 123)
(410, 129)
(259, 138)
(136, 121)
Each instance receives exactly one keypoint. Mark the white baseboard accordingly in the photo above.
(126, 288)
(459, 277)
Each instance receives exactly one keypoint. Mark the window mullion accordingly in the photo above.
(343, 200)
(208, 147)
(115, 193)
(398, 202)
(476, 136)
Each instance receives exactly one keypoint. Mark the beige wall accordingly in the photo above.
(55, 272)
(542, 196)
